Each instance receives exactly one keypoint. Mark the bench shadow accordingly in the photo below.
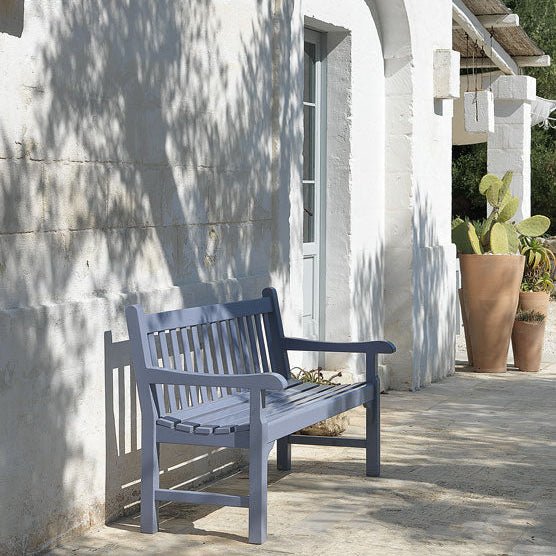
(179, 519)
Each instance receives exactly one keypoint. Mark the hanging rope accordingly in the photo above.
(467, 56)
(491, 49)
(476, 97)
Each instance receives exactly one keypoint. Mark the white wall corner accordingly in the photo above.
(446, 74)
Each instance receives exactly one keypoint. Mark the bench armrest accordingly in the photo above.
(300, 344)
(251, 381)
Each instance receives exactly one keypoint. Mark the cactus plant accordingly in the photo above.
(497, 234)
(539, 261)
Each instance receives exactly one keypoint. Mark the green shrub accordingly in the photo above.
(538, 18)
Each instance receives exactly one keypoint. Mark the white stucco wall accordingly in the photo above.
(434, 254)
(420, 261)
(394, 234)
(145, 155)
(150, 152)
(355, 173)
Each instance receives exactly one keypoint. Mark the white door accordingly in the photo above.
(313, 198)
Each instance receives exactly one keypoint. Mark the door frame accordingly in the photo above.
(318, 38)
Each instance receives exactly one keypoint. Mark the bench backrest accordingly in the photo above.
(229, 338)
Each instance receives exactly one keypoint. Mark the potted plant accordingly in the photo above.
(491, 270)
(527, 339)
(333, 426)
(537, 282)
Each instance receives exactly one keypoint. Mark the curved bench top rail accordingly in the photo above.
(207, 314)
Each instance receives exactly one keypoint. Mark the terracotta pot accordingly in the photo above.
(527, 344)
(333, 426)
(490, 285)
(534, 301)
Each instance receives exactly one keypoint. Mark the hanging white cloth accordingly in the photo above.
(541, 108)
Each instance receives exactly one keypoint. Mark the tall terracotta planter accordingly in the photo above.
(490, 291)
(465, 328)
(527, 344)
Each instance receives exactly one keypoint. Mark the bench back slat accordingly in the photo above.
(247, 364)
(218, 358)
(192, 397)
(262, 343)
(158, 391)
(253, 344)
(170, 390)
(207, 351)
(275, 333)
(178, 365)
(227, 355)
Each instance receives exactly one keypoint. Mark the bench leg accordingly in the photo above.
(150, 477)
(258, 484)
(283, 454)
(372, 435)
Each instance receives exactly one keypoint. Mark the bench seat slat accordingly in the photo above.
(187, 426)
(193, 413)
(312, 397)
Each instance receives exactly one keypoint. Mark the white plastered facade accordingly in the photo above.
(150, 152)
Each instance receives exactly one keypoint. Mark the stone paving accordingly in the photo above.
(469, 468)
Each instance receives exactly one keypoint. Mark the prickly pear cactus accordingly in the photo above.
(474, 239)
(497, 234)
(534, 226)
(460, 236)
(499, 243)
(508, 209)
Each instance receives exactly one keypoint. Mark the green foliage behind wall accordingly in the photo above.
(538, 18)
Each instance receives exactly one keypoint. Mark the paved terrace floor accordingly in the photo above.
(469, 467)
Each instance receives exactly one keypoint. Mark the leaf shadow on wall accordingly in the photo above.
(146, 162)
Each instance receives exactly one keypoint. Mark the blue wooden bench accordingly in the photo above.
(219, 376)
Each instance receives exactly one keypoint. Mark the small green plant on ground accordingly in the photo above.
(529, 316)
(315, 376)
(497, 234)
